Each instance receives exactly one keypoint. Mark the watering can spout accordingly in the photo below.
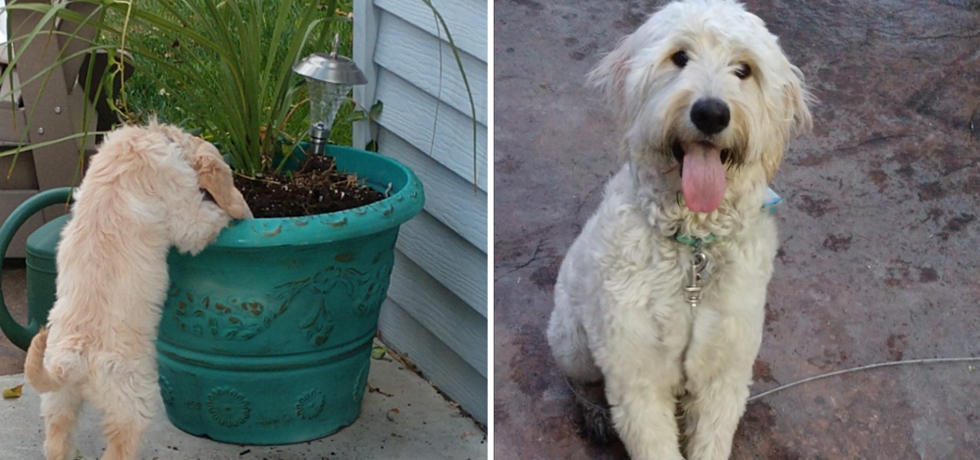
(41, 270)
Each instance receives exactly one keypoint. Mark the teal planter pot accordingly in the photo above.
(266, 335)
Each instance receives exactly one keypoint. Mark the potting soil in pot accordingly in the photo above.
(315, 187)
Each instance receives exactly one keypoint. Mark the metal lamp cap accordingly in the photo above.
(331, 68)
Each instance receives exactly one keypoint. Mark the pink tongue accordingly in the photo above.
(703, 177)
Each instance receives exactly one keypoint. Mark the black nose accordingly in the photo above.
(710, 116)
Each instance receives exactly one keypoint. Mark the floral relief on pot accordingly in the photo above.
(374, 291)
(228, 406)
(365, 286)
(229, 319)
(318, 325)
(310, 404)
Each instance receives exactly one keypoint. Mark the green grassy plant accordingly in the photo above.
(220, 68)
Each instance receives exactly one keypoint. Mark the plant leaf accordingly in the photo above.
(466, 83)
(13, 393)
(356, 115)
(379, 351)
(376, 109)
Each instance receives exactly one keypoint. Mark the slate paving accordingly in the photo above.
(878, 257)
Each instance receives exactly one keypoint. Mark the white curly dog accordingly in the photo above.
(148, 188)
(662, 296)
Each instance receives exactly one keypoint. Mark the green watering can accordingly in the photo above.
(41, 268)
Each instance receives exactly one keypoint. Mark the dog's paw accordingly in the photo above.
(596, 421)
(597, 426)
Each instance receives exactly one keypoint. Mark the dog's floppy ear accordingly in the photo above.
(798, 99)
(796, 116)
(609, 74)
(215, 177)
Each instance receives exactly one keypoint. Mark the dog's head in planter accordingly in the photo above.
(175, 183)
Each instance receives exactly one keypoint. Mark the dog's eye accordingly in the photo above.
(743, 71)
(679, 59)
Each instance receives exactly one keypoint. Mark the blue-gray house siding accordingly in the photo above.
(436, 309)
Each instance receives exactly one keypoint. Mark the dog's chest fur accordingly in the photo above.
(642, 272)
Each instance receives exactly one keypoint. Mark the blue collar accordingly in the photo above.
(769, 205)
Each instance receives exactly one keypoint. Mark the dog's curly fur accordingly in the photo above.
(147, 189)
(620, 313)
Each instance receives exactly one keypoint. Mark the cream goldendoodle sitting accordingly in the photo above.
(662, 295)
(148, 188)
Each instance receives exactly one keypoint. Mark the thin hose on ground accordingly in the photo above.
(864, 368)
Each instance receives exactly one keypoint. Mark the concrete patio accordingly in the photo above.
(407, 419)
(879, 235)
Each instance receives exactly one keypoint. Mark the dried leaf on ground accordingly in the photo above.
(374, 389)
(12, 393)
(403, 360)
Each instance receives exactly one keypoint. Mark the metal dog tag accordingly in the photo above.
(699, 262)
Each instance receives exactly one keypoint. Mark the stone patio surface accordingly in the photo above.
(407, 420)
(879, 252)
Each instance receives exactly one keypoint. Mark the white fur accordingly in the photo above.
(620, 313)
(142, 194)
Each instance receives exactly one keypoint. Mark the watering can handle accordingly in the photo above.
(20, 335)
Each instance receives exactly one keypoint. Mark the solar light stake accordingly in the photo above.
(328, 78)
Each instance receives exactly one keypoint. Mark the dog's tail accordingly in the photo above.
(35, 372)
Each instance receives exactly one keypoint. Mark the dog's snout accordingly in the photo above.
(710, 115)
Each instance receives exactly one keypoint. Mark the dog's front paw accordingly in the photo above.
(190, 248)
(196, 245)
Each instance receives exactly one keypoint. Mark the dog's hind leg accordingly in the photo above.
(124, 426)
(568, 341)
(128, 403)
(596, 423)
(59, 409)
(570, 347)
